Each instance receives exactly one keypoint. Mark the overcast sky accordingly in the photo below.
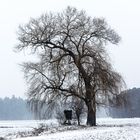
(121, 15)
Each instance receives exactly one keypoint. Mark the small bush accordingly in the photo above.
(41, 128)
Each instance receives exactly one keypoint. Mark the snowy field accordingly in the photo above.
(107, 129)
(13, 127)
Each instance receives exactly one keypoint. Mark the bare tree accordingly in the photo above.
(78, 108)
(72, 59)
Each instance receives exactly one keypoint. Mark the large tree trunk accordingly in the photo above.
(91, 104)
(91, 113)
(90, 96)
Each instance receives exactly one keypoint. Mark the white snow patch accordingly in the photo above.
(106, 129)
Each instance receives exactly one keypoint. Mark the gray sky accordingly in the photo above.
(121, 15)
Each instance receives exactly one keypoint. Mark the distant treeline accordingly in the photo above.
(14, 109)
(131, 107)
(17, 109)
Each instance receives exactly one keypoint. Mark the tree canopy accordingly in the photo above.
(72, 60)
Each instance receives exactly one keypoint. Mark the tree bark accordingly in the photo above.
(90, 99)
(91, 113)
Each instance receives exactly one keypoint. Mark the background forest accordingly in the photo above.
(16, 108)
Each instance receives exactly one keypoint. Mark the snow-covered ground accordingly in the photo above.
(13, 127)
(106, 129)
(7, 127)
